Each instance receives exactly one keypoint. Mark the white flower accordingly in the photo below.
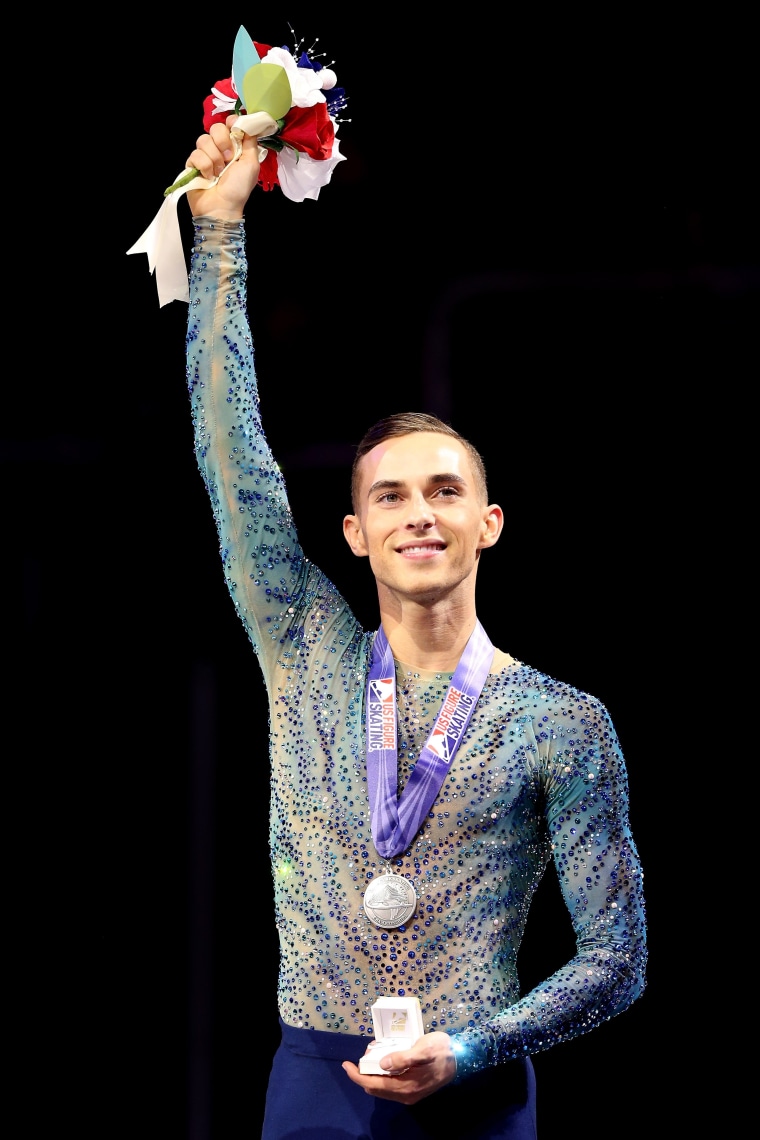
(224, 103)
(305, 84)
(301, 176)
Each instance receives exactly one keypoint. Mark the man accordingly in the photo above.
(421, 779)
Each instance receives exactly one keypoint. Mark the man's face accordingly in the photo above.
(421, 519)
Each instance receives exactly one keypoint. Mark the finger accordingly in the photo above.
(208, 157)
(248, 144)
(220, 133)
(395, 1063)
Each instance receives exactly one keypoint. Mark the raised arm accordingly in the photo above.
(270, 583)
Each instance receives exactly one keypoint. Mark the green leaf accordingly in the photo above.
(266, 87)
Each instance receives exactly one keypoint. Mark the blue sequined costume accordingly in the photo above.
(539, 776)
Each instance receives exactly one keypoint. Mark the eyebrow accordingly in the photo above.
(435, 480)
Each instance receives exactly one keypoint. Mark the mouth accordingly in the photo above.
(421, 549)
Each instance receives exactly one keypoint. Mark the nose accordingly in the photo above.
(420, 514)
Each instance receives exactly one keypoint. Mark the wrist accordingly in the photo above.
(219, 219)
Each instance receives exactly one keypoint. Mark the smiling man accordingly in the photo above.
(422, 519)
(421, 780)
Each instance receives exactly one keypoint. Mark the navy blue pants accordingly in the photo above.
(309, 1097)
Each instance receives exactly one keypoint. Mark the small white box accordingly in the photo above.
(397, 1023)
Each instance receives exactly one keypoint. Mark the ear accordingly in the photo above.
(493, 523)
(352, 532)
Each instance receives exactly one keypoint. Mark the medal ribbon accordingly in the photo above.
(395, 821)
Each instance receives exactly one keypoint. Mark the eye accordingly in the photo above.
(448, 492)
(388, 497)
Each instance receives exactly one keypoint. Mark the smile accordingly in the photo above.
(429, 548)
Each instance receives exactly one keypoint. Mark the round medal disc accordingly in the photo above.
(390, 900)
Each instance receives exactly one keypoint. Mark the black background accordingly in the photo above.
(545, 231)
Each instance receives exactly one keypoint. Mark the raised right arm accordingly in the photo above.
(267, 577)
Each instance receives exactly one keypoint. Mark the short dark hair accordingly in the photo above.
(406, 423)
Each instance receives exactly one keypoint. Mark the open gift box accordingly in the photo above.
(397, 1023)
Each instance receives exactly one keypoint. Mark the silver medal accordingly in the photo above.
(390, 900)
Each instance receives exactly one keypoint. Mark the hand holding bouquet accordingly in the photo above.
(291, 106)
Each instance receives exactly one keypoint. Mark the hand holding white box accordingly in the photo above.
(397, 1023)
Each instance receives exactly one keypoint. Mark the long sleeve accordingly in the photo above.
(579, 767)
(271, 584)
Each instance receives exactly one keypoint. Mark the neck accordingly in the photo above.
(429, 638)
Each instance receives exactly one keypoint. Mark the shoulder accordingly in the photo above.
(534, 687)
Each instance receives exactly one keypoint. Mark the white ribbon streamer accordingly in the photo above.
(162, 241)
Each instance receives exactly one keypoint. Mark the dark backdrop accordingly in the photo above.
(544, 231)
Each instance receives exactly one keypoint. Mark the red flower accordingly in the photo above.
(210, 114)
(309, 129)
(268, 174)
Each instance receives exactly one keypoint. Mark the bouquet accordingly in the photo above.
(291, 105)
